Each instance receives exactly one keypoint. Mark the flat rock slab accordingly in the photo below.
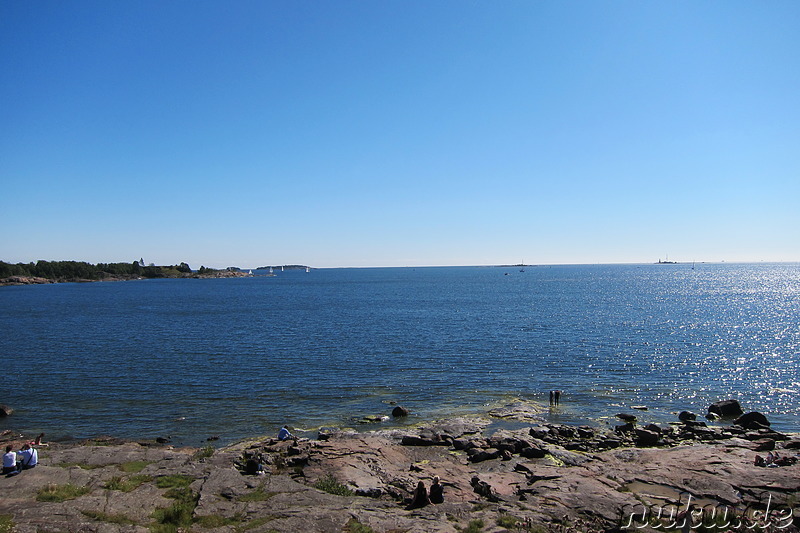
(585, 491)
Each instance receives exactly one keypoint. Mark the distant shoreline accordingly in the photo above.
(35, 280)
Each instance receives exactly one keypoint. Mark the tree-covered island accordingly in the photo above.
(77, 271)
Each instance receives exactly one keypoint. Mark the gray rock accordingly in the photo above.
(646, 437)
(654, 428)
(763, 445)
(532, 452)
(694, 424)
(420, 440)
(399, 411)
(625, 428)
(726, 408)
(752, 420)
(477, 455)
(539, 432)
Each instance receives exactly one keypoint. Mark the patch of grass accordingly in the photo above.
(203, 453)
(110, 518)
(211, 521)
(6, 523)
(258, 495)
(507, 521)
(354, 526)
(133, 467)
(127, 484)
(172, 481)
(60, 493)
(330, 485)
(474, 526)
(179, 515)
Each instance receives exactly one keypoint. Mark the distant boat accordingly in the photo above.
(250, 272)
(308, 269)
(270, 270)
(281, 268)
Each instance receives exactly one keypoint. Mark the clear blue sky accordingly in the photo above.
(337, 133)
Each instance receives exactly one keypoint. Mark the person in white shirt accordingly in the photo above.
(284, 434)
(28, 457)
(9, 460)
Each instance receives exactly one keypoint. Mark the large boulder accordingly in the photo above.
(645, 437)
(726, 409)
(424, 440)
(5, 411)
(477, 455)
(763, 445)
(625, 428)
(399, 411)
(752, 420)
(532, 452)
(686, 415)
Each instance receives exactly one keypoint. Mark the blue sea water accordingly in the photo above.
(240, 357)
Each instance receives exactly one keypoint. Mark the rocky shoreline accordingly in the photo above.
(33, 280)
(545, 477)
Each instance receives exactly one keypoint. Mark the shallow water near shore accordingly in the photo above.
(240, 357)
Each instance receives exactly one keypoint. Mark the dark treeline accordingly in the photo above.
(74, 270)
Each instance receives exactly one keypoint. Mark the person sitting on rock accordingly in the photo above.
(284, 434)
(437, 491)
(253, 466)
(9, 460)
(28, 457)
(420, 497)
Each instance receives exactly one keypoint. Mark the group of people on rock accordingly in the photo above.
(773, 459)
(26, 458)
(422, 497)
